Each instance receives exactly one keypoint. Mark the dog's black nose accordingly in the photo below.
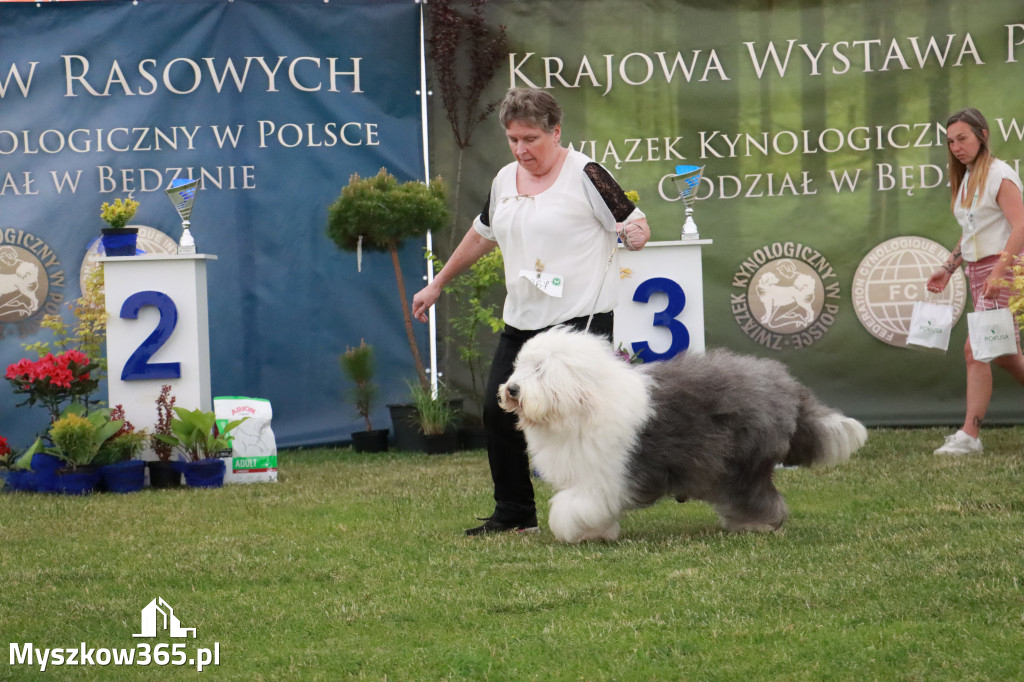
(513, 390)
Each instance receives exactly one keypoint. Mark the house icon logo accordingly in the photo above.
(157, 613)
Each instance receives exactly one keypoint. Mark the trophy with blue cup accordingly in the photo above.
(182, 194)
(687, 182)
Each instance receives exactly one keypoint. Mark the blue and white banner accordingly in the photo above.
(271, 105)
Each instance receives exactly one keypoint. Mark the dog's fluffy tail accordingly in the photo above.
(824, 437)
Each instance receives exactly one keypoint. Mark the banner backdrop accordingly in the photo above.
(272, 104)
(820, 127)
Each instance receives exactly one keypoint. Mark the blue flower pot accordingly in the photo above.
(43, 477)
(18, 481)
(120, 241)
(206, 473)
(79, 481)
(123, 477)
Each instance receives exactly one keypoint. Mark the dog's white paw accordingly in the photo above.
(610, 532)
(577, 517)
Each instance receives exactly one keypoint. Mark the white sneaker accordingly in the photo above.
(961, 444)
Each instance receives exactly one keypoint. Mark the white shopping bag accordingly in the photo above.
(992, 332)
(930, 326)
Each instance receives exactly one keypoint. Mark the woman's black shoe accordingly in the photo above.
(493, 525)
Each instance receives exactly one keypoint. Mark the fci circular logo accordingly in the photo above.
(892, 276)
(790, 295)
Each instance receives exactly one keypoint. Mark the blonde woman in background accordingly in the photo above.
(986, 201)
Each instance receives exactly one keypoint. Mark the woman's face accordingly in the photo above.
(963, 143)
(534, 149)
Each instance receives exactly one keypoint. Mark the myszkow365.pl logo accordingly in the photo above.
(789, 295)
(157, 616)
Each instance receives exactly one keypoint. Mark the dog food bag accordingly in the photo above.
(253, 448)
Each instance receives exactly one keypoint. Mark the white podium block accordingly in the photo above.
(661, 300)
(158, 333)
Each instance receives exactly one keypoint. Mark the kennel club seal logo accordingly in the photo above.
(892, 276)
(790, 295)
(31, 281)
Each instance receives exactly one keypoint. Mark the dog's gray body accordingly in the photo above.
(721, 425)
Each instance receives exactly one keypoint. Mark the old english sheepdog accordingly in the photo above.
(610, 436)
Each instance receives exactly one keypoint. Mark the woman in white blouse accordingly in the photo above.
(986, 201)
(557, 216)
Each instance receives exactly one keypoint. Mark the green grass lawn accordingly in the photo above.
(900, 565)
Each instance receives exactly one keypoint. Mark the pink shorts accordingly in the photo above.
(977, 273)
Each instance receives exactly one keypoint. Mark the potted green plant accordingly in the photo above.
(118, 239)
(476, 319)
(379, 214)
(194, 434)
(120, 469)
(357, 364)
(76, 438)
(437, 418)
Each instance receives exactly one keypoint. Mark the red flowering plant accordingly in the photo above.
(53, 380)
(10, 460)
(6, 455)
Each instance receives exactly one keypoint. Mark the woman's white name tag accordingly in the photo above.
(547, 282)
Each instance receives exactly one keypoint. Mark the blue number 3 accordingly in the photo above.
(666, 318)
(138, 365)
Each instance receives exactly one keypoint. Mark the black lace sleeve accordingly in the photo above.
(614, 198)
(485, 212)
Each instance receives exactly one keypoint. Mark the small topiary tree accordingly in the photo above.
(379, 214)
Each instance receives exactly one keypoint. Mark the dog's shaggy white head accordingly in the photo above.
(565, 378)
(580, 407)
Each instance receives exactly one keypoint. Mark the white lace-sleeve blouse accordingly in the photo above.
(565, 234)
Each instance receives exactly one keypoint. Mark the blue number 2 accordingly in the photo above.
(666, 318)
(138, 365)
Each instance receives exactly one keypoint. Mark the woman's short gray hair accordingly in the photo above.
(533, 107)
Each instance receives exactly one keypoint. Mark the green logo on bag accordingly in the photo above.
(254, 464)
